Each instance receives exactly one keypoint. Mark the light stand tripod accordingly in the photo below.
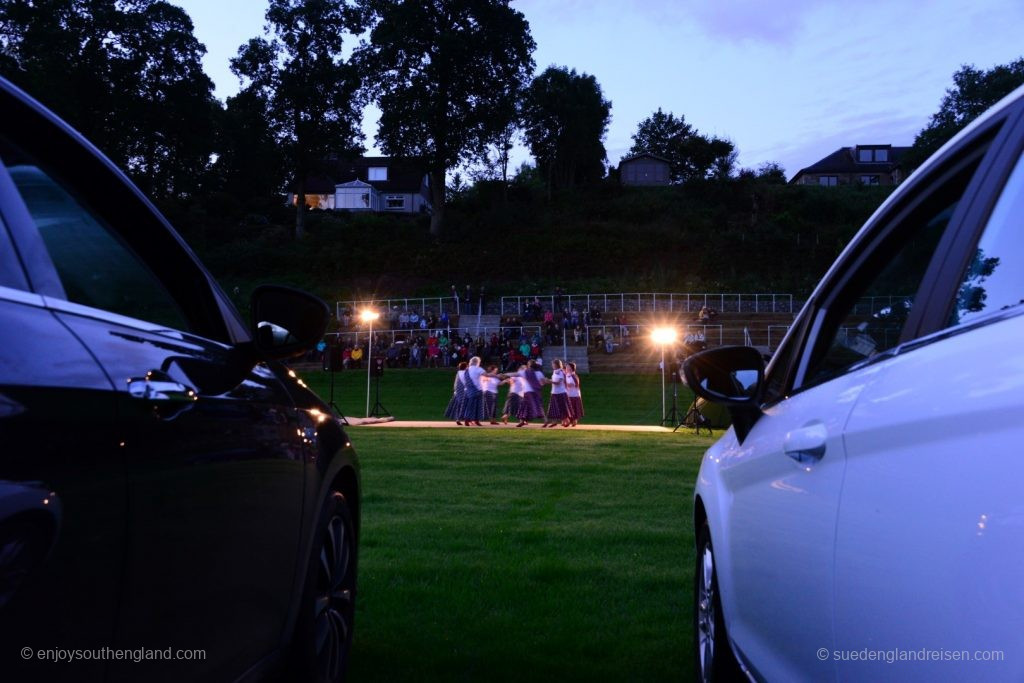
(378, 408)
(672, 416)
(694, 418)
(333, 357)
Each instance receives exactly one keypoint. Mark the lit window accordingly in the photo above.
(378, 173)
(395, 201)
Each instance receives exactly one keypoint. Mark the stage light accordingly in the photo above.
(663, 336)
(368, 316)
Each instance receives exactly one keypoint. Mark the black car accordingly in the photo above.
(174, 502)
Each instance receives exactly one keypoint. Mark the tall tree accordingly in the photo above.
(973, 91)
(690, 155)
(311, 93)
(249, 163)
(126, 73)
(447, 75)
(565, 119)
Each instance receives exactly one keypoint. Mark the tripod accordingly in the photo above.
(378, 407)
(331, 402)
(694, 418)
(672, 416)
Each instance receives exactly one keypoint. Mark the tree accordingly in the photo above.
(690, 155)
(447, 76)
(565, 118)
(249, 162)
(312, 95)
(126, 73)
(973, 91)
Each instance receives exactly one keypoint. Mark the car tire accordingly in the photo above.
(713, 654)
(323, 631)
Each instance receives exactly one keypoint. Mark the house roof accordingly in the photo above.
(844, 160)
(643, 155)
(404, 175)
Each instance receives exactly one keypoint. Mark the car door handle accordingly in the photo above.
(159, 387)
(807, 444)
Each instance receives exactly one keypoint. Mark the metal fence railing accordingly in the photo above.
(650, 302)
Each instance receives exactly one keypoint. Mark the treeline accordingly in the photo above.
(456, 87)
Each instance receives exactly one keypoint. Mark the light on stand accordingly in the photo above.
(368, 316)
(663, 336)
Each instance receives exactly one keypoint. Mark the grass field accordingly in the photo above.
(504, 555)
(423, 395)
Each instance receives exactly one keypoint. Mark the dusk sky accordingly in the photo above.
(786, 81)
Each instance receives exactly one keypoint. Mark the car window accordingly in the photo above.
(994, 279)
(95, 267)
(868, 316)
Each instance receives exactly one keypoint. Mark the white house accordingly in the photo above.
(378, 184)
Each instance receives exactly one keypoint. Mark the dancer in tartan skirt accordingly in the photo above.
(572, 390)
(515, 383)
(558, 404)
(491, 381)
(531, 406)
(454, 409)
(472, 400)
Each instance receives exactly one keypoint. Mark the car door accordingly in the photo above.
(787, 476)
(62, 479)
(211, 446)
(928, 552)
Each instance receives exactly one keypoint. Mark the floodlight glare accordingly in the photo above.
(663, 335)
(368, 316)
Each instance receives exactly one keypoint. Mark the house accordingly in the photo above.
(378, 184)
(860, 165)
(644, 169)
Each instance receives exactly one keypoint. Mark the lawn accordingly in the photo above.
(504, 555)
(423, 395)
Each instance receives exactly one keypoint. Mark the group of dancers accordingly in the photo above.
(475, 395)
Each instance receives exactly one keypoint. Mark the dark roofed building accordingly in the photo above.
(370, 184)
(860, 165)
(644, 169)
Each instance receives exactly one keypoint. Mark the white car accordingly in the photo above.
(863, 519)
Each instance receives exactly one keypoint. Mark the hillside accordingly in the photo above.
(739, 235)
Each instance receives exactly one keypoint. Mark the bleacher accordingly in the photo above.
(760, 320)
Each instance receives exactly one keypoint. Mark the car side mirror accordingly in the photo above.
(286, 322)
(732, 376)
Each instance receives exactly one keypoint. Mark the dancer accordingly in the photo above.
(490, 382)
(558, 404)
(531, 407)
(454, 409)
(572, 390)
(472, 401)
(515, 395)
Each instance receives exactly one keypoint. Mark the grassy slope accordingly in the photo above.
(718, 237)
(512, 555)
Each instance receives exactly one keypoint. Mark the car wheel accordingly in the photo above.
(323, 633)
(714, 657)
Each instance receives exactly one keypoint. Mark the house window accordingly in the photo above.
(869, 180)
(828, 180)
(864, 155)
(395, 201)
(881, 155)
(378, 173)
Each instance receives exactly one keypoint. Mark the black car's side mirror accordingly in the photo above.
(286, 322)
(732, 376)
